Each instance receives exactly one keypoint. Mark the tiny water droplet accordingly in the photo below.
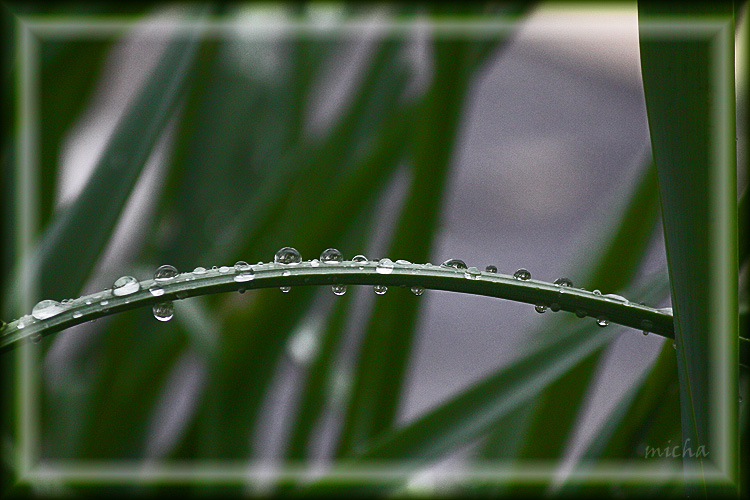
(522, 274)
(287, 255)
(125, 286)
(647, 326)
(581, 313)
(104, 302)
(88, 302)
(241, 265)
(602, 321)
(36, 338)
(77, 314)
(314, 263)
(65, 302)
(214, 268)
(46, 309)
(285, 289)
(563, 282)
(385, 266)
(454, 263)
(156, 290)
(554, 307)
(380, 289)
(199, 270)
(338, 289)
(417, 290)
(165, 272)
(596, 292)
(163, 311)
(241, 290)
(540, 308)
(615, 297)
(245, 272)
(472, 273)
(331, 256)
(286, 273)
(491, 269)
(225, 269)
(402, 262)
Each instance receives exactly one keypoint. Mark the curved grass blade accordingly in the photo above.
(687, 108)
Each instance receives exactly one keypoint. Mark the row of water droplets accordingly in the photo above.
(289, 256)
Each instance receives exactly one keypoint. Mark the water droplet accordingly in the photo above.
(285, 289)
(338, 289)
(245, 272)
(522, 274)
(21, 323)
(360, 259)
(417, 290)
(199, 270)
(454, 263)
(286, 273)
(225, 269)
(241, 290)
(36, 338)
(331, 256)
(241, 265)
(163, 311)
(385, 266)
(314, 263)
(540, 308)
(88, 302)
(581, 313)
(156, 290)
(287, 255)
(402, 262)
(563, 282)
(46, 309)
(602, 321)
(615, 297)
(491, 269)
(125, 286)
(104, 302)
(647, 326)
(596, 292)
(380, 289)
(472, 273)
(165, 272)
(214, 268)
(65, 302)
(77, 314)
(181, 294)
(554, 307)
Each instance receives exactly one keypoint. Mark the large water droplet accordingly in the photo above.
(380, 289)
(540, 308)
(285, 289)
(359, 259)
(156, 290)
(199, 270)
(163, 311)
(472, 273)
(454, 263)
(417, 290)
(125, 286)
(522, 274)
(596, 292)
(244, 270)
(46, 309)
(402, 262)
(385, 266)
(563, 282)
(602, 321)
(165, 272)
(331, 256)
(491, 269)
(287, 255)
(338, 289)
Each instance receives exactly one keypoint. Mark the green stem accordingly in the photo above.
(348, 273)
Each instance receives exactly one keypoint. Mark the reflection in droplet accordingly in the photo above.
(338, 289)
(287, 255)
(417, 290)
(522, 274)
(380, 289)
(361, 260)
(125, 286)
(156, 290)
(454, 263)
(331, 256)
(602, 321)
(385, 266)
(491, 269)
(163, 311)
(46, 309)
(165, 272)
(285, 289)
(472, 273)
(563, 282)
(540, 308)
